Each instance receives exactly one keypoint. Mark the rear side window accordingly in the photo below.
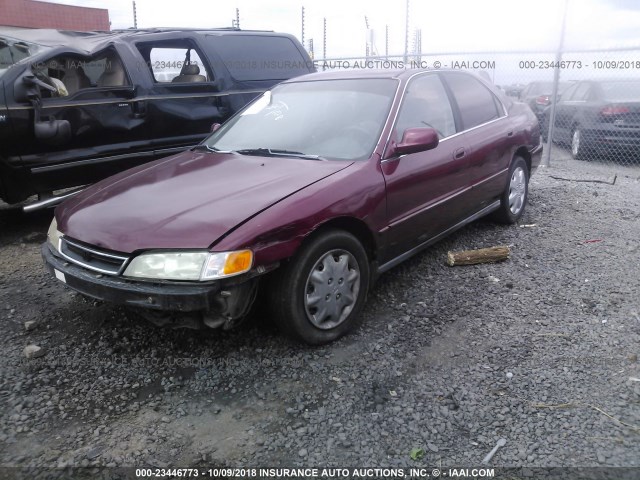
(566, 95)
(476, 102)
(170, 64)
(259, 57)
(582, 93)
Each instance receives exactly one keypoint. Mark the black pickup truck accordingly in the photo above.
(76, 107)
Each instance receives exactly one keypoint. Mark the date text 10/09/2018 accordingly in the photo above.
(580, 64)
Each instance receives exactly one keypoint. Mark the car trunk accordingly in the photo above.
(623, 115)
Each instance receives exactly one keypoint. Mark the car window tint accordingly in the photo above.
(582, 92)
(426, 104)
(476, 103)
(252, 57)
(176, 65)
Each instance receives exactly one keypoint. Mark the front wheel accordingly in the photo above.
(318, 295)
(514, 197)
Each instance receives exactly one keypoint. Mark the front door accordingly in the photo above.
(425, 190)
(97, 98)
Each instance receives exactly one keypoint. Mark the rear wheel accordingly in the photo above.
(577, 144)
(514, 197)
(318, 295)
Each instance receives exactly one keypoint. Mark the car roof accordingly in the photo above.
(356, 73)
(93, 40)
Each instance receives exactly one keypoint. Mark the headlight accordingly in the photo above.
(53, 235)
(190, 265)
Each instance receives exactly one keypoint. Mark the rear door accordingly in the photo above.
(488, 134)
(425, 190)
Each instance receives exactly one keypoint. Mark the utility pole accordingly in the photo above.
(135, 15)
(417, 45)
(556, 79)
(406, 33)
(386, 41)
(311, 54)
(302, 36)
(324, 40)
(367, 49)
(236, 23)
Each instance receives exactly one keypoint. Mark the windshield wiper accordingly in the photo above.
(271, 152)
(207, 148)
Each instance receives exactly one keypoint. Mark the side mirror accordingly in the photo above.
(53, 132)
(416, 140)
(215, 127)
(26, 87)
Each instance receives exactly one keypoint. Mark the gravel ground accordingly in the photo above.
(541, 350)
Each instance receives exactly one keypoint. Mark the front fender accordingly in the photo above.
(275, 234)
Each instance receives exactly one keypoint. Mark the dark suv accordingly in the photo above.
(76, 107)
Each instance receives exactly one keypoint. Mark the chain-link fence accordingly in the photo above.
(587, 102)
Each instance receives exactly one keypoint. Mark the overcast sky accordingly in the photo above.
(446, 26)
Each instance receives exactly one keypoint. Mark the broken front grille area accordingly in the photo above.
(91, 257)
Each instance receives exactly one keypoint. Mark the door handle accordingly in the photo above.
(459, 153)
(139, 109)
(510, 134)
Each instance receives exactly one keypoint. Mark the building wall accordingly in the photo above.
(34, 14)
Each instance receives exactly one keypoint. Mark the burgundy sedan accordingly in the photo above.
(310, 192)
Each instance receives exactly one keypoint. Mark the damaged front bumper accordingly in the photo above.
(220, 301)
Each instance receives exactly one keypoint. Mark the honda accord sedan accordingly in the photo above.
(310, 192)
(599, 118)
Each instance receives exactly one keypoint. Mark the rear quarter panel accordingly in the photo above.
(526, 133)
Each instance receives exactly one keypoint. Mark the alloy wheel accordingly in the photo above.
(517, 190)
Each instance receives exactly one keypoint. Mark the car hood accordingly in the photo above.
(187, 201)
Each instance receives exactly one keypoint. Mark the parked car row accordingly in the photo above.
(538, 95)
(310, 192)
(76, 107)
(598, 118)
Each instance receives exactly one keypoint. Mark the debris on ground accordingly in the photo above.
(481, 255)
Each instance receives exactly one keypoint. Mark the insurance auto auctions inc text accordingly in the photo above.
(401, 64)
(369, 473)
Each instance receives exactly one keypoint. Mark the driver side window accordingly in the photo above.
(426, 104)
(69, 74)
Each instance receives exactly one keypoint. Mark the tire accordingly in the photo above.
(317, 297)
(515, 195)
(577, 144)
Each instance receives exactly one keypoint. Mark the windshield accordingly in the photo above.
(337, 119)
(13, 51)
